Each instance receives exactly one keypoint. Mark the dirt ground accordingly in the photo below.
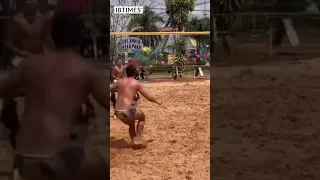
(264, 121)
(179, 132)
(264, 124)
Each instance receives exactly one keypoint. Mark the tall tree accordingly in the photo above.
(178, 11)
(147, 22)
(180, 46)
(113, 46)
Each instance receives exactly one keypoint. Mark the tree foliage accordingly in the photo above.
(113, 47)
(180, 45)
(147, 22)
(196, 24)
(178, 11)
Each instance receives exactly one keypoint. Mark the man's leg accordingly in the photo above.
(141, 122)
(139, 127)
(9, 117)
(129, 119)
(132, 132)
(113, 100)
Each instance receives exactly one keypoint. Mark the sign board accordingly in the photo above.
(130, 44)
(171, 58)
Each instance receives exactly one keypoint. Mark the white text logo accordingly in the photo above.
(128, 9)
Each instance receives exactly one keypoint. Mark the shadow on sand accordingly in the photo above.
(120, 144)
(125, 144)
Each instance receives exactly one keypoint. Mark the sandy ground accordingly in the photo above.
(179, 131)
(265, 121)
(264, 126)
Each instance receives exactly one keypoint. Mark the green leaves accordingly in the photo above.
(180, 45)
(200, 24)
(197, 24)
(178, 10)
(113, 46)
(180, 60)
(147, 22)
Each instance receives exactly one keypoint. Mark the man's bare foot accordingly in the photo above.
(139, 143)
(114, 117)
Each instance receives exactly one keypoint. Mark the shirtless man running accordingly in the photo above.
(125, 110)
(56, 84)
(117, 73)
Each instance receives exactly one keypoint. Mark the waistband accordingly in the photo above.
(33, 155)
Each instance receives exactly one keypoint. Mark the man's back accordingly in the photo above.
(56, 84)
(127, 90)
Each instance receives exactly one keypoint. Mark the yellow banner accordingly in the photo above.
(171, 58)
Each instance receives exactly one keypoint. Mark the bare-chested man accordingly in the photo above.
(128, 87)
(28, 33)
(117, 73)
(56, 84)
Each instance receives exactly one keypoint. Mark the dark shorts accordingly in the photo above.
(9, 117)
(65, 165)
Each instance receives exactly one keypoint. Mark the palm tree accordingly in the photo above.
(224, 23)
(113, 48)
(178, 11)
(199, 25)
(147, 22)
(180, 47)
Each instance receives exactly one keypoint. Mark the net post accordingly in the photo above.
(270, 40)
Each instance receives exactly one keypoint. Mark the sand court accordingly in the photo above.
(178, 134)
(266, 121)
